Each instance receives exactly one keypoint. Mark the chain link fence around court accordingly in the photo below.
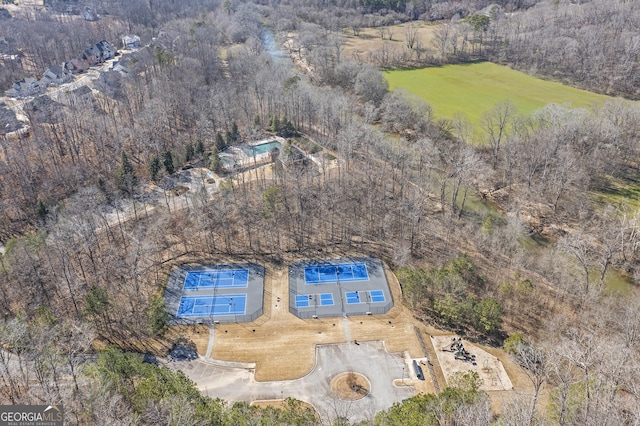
(338, 287)
(215, 293)
(215, 320)
(227, 293)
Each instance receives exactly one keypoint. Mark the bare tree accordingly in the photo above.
(535, 364)
(496, 124)
(411, 31)
(579, 245)
(390, 33)
(442, 39)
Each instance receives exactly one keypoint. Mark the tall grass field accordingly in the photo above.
(475, 88)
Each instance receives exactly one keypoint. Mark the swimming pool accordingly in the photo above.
(263, 148)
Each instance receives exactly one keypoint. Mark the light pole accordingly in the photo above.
(315, 304)
(232, 305)
(340, 290)
(403, 375)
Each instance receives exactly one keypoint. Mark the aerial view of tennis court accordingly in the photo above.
(337, 287)
(216, 278)
(305, 300)
(231, 304)
(319, 274)
(215, 293)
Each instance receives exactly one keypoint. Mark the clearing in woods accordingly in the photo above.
(473, 89)
(369, 42)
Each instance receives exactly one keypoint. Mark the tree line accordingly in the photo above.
(405, 187)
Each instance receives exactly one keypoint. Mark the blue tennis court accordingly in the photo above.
(344, 272)
(377, 296)
(302, 301)
(216, 278)
(211, 306)
(326, 299)
(352, 297)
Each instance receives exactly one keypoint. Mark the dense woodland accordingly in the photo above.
(508, 237)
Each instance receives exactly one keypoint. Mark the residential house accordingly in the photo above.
(99, 52)
(24, 88)
(76, 66)
(131, 42)
(89, 14)
(81, 98)
(56, 75)
(108, 50)
(291, 156)
(121, 69)
(83, 92)
(110, 84)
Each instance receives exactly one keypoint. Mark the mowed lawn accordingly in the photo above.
(475, 88)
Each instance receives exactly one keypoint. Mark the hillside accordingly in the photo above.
(252, 132)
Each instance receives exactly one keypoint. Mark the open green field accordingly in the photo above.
(617, 191)
(476, 88)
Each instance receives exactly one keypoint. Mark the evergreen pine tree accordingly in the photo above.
(126, 179)
(220, 144)
(167, 161)
(154, 168)
(216, 162)
(199, 146)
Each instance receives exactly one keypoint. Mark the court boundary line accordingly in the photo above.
(242, 296)
(202, 272)
(335, 266)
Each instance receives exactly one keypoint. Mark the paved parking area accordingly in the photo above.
(235, 382)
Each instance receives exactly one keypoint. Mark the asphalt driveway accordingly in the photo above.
(236, 383)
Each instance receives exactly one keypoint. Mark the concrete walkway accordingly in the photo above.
(211, 338)
(235, 382)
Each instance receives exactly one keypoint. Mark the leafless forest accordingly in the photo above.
(533, 217)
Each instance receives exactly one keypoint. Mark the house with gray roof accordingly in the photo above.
(56, 75)
(99, 52)
(24, 88)
(89, 14)
(131, 42)
(76, 65)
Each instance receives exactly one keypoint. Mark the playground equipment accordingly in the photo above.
(455, 345)
(459, 352)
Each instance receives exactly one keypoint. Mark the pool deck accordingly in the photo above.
(236, 157)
